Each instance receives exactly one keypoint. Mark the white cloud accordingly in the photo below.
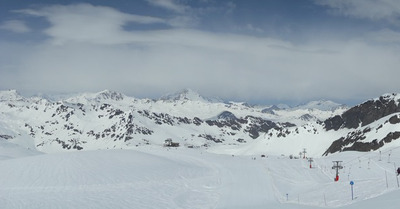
(185, 16)
(97, 53)
(370, 9)
(88, 23)
(169, 5)
(15, 26)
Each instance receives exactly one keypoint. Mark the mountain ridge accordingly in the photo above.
(110, 120)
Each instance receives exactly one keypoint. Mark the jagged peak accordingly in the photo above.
(226, 115)
(109, 95)
(99, 96)
(383, 98)
(390, 96)
(271, 109)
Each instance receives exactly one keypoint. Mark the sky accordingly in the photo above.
(258, 51)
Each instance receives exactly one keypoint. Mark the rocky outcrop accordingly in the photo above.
(227, 120)
(354, 142)
(258, 125)
(364, 114)
(360, 139)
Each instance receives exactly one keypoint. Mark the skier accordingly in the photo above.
(398, 171)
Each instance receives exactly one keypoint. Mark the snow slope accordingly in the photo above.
(154, 177)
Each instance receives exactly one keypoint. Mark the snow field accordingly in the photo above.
(156, 177)
(103, 179)
(316, 186)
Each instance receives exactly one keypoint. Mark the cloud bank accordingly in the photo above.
(89, 49)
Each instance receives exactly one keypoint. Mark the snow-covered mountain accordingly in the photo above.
(187, 95)
(10, 95)
(324, 105)
(110, 120)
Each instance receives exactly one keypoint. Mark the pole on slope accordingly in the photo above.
(397, 176)
(351, 184)
(387, 185)
(369, 161)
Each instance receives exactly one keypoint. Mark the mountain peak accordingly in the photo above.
(185, 95)
(324, 105)
(388, 97)
(10, 95)
(226, 115)
(109, 95)
(99, 96)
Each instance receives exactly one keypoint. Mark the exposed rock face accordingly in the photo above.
(351, 138)
(252, 125)
(358, 119)
(394, 119)
(259, 125)
(355, 139)
(364, 114)
(307, 117)
(109, 95)
(228, 120)
(226, 115)
(6, 137)
(271, 109)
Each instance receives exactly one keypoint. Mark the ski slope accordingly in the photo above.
(156, 177)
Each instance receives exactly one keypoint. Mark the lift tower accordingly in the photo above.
(337, 165)
(310, 160)
(304, 153)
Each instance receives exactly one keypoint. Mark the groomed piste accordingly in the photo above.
(156, 177)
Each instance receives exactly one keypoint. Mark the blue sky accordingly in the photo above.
(267, 51)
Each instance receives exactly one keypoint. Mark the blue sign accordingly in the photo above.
(351, 182)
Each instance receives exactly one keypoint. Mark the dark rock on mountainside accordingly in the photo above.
(364, 114)
(361, 116)
(226, 115)
(355, 140)
(6, 137)
(394, 119)
(351, 138)
(227, 120)
(258, 125)
(270, 110)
